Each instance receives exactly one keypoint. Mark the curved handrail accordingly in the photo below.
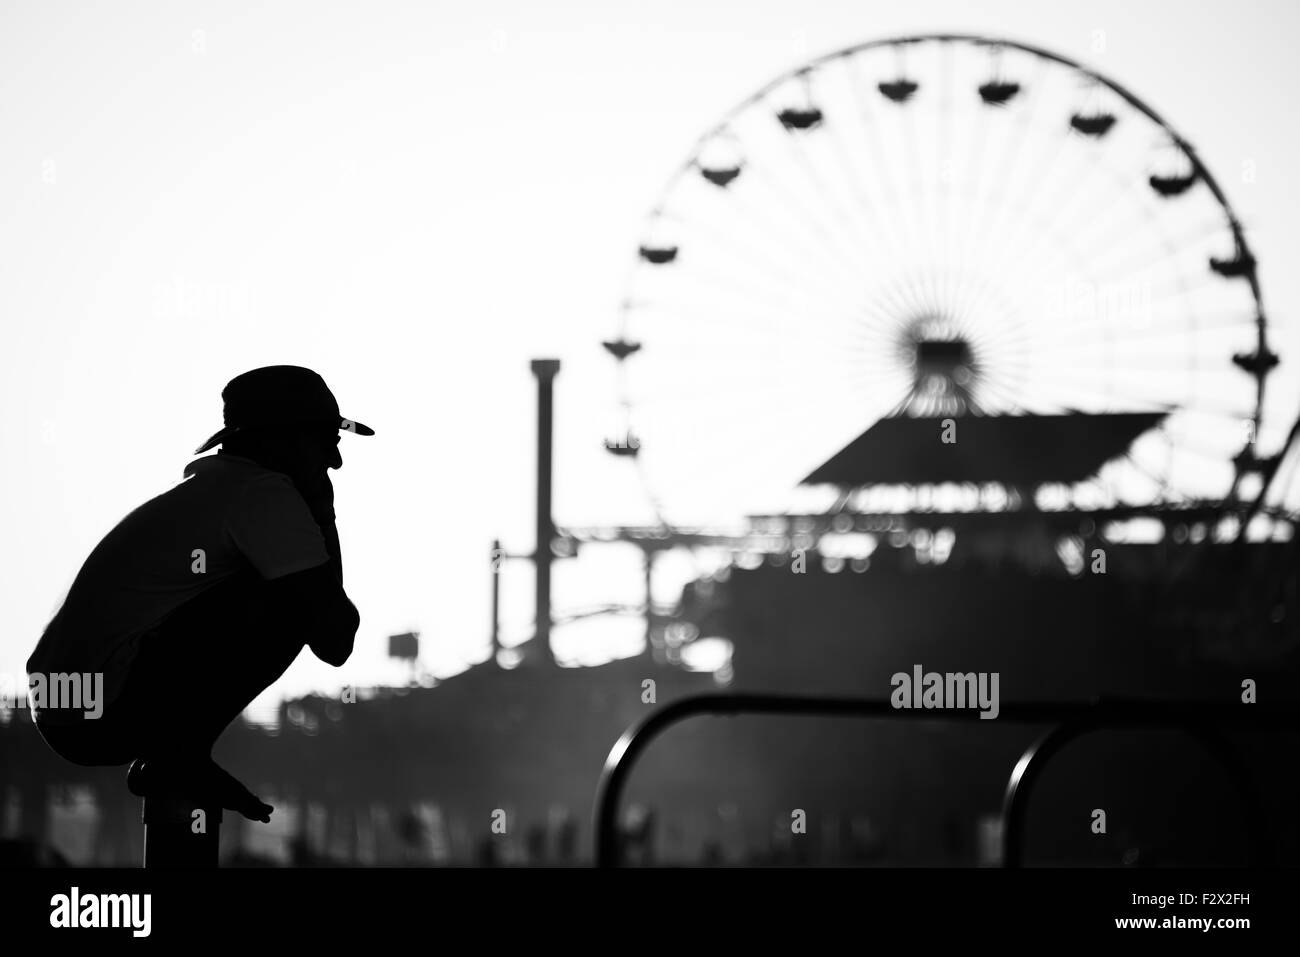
(1200, 719)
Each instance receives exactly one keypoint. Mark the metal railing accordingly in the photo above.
(1203, 722)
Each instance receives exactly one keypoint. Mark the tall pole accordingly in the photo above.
(496, 600)
(648, 557)
(545, 370)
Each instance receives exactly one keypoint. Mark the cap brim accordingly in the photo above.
(352, 425)
(345, 425)
(216, 439)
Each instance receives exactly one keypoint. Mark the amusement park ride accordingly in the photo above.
(1015, 283)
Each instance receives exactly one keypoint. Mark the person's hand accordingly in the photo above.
(318, 491)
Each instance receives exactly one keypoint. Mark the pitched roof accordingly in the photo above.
(1010, 449)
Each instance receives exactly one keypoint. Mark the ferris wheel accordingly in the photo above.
(936, 225)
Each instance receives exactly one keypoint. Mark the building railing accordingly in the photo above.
(1203, 722)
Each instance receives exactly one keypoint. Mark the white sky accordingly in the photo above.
(416, 199)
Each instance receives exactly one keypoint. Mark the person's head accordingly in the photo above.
(285, 418)
(295, 450)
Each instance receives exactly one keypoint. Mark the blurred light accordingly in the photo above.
(850, 545)
(1227, 528)
(1260, 528)
(1251, 485)
(1070, 551)
(707, 654)
(679, 633)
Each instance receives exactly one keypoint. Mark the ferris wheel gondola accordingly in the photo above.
(937, 225)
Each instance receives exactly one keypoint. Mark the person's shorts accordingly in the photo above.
(105, 740)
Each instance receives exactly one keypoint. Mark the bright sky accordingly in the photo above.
(416, 199)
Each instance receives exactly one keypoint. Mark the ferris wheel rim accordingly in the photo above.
(976, 39)
(1199, 170)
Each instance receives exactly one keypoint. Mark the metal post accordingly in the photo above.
(496, 597)
(177, 834)
(649, 557)
(545, 370)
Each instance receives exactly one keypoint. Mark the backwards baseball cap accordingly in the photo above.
(279, 396)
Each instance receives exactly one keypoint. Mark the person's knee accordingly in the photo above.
(85, 745)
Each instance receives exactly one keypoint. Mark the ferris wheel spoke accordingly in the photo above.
(780, 286)
(868, 121)
(878, 223)
(851, 216)
(1007, 397)
(759, 320)
(1066, 182)
(1070, 195)
(838, 244)
(859, 255)
(756, 394)
(979, 250)
(861, 229)
(1009, 264)
(1077, 237)
(830, 215)
(1011, 157)
(773, 228)
(831, 248)
(920, 212)
(1111, 243)
(786, 229)
(1158, 253)
(996, 257)
(767, 267)
(1163, 289)
(1152, 328)
(781, 323)
(1093, 221)
(750, 438)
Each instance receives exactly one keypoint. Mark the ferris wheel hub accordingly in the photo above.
(926, 227)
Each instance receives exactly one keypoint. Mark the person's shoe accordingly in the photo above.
(203, 782)
(137, 778)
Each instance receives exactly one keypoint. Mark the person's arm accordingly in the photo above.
(318, 491)
(293, 543)
(331, 532)
(313, 601)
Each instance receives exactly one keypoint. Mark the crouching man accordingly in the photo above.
(203, 596)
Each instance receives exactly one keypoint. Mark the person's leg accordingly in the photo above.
(202, 666)
(193, 675)
(89, 743)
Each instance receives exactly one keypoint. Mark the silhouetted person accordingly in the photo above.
(202, 597)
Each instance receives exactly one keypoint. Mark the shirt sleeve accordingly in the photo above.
(273, 528)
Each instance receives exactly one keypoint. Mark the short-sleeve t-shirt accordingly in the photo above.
(228, 515)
